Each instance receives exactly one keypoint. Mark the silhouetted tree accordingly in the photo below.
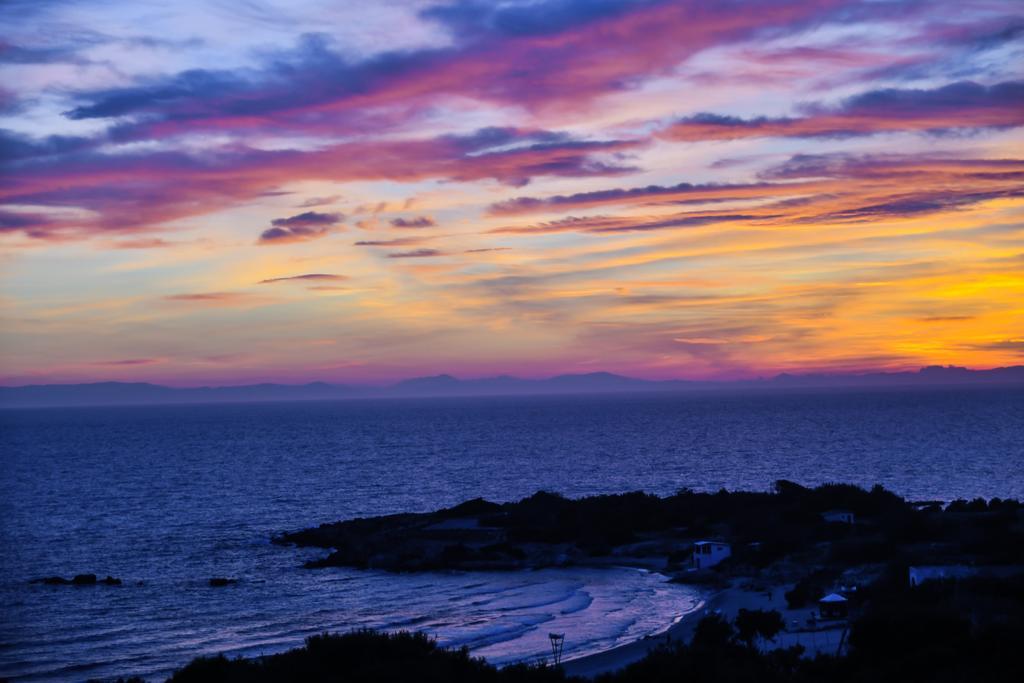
(751, 624)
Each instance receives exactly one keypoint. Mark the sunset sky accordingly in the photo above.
(234, 191)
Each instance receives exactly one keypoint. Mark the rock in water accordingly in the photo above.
(219, 581)
(51, 581)
(79, 580)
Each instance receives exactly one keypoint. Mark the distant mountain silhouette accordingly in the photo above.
(930, 375)
(595, 382)
(117, 393)
(141, 393)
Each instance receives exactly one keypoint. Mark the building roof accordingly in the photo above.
(833, 597)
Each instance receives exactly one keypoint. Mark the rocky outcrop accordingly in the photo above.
(220, 581)
(475, 535)
(78, 580)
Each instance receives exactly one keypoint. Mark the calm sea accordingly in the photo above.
(167, 497)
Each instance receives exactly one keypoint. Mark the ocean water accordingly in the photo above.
(167, 497)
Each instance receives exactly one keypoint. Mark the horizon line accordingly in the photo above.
(386, 384)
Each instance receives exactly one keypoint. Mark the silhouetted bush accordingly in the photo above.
(753, 624)
(361, 656)
(809, 589)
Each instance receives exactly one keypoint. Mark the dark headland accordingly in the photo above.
(833, 583)
(793, 524)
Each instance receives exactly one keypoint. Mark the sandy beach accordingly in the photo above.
(727, 602)
(611, 660)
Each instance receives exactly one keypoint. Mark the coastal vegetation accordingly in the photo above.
(362, 656)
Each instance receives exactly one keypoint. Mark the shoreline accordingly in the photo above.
(589, 666)
(727, 601)
(739, 594)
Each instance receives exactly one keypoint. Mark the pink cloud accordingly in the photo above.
(964, 105)
(501, 54)
(135, 192)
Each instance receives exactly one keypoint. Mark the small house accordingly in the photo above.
(834, 606)
(841, 516)
(709, 553)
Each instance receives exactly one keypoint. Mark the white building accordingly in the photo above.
(843, 516)
(709, 553)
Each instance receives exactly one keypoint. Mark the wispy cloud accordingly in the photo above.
(957, 106)
(131, 361)
(397, 242)
(416, 253)
(143, 243)
(306, 277)
(211, 298)
(683, 192)
(803, 189)
(314, 202)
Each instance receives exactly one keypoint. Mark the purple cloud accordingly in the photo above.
(416, 253)
(419, 222)
(301, 228)
(501, 53)
(963, 105)
(306, 277)
(398, 242)
(138, 189)
(649, 193)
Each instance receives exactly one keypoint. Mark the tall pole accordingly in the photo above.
(557, 640)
